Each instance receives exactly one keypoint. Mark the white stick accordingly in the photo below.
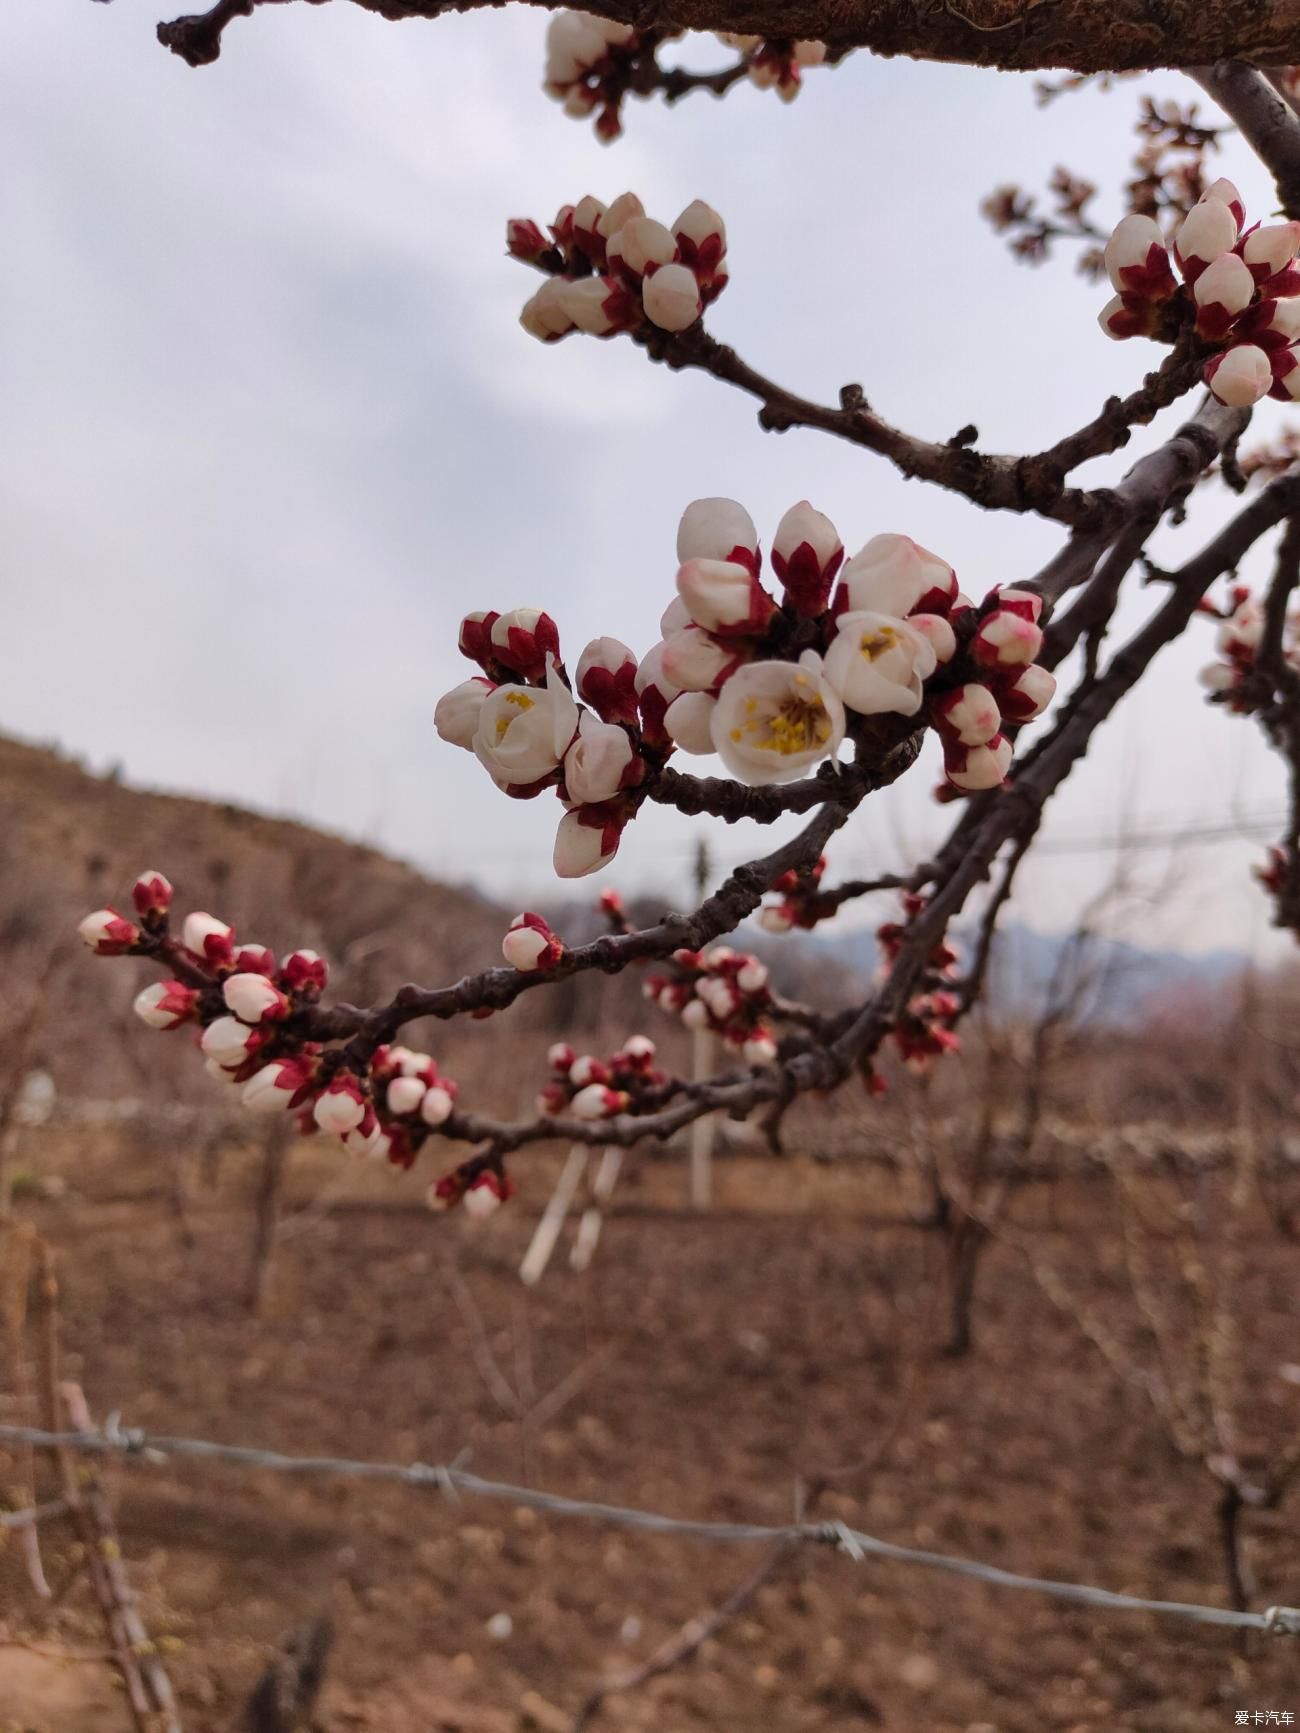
(702, 1128)
(539, 1251)
(602, 1187)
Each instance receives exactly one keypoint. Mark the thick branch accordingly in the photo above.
(1268, 124)
(1081, 35)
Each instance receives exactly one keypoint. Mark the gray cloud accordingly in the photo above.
(269, 424)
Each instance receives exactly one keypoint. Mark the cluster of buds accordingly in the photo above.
(611, 268)
(775, 687)
(775, 63)
(924, 1031)
(1240, 293)
(522, 722)
(589, 1088)
(1240, 633)
(798, 898)
(590, 63)
(721, 990)
(252, 1019)
(530, 946)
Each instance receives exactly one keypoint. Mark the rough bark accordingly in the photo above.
(1079, 35)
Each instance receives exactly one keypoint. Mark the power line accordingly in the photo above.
(453, 1480)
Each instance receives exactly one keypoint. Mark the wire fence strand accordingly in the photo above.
(453, 1480)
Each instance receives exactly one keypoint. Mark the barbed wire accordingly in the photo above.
(454, 1480)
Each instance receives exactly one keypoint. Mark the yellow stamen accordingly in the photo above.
(874, 645)
(797, 725)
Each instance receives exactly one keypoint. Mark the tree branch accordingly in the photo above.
(1079, 35)
(1269, 125)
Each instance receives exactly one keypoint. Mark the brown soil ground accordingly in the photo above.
(712, 1363)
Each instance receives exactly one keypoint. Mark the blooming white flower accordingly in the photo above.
(894, 575)
(456, 713)
(716, 529)
(1239, 376)
(688, 720)
(524, 731)
(775, 918)
(760, 1048)
(671, 298)
(598, 761)
(775, 719)
(878, 664)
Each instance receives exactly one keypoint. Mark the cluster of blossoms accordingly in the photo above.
(593, 63)
(591, 1088)
(799, 900)
(721, 990)
(924, 1031)
(252, 1019)
(611, 268)
(772, 687)
(1241, 630)
(1240, 293)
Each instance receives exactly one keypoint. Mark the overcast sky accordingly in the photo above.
(269, 425)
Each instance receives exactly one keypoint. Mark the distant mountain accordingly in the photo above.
(1118, 980)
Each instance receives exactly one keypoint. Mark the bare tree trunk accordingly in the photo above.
(286, 1693)
(1241, 1582)
(966, 1245)
(275, 1160)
